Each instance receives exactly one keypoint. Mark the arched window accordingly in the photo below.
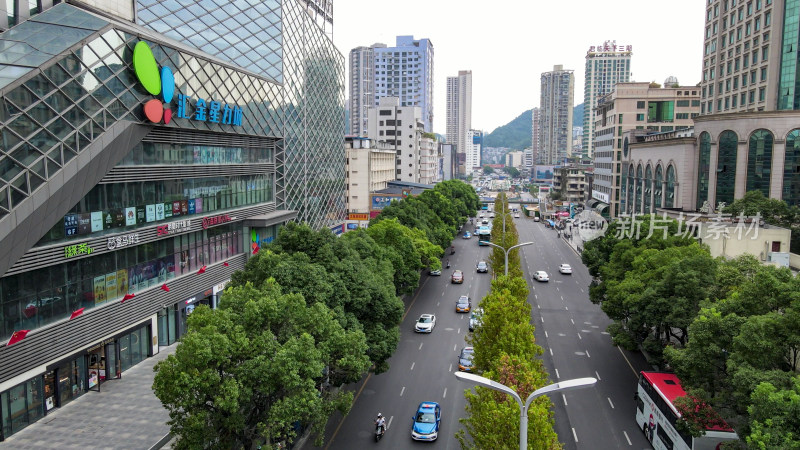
(637, 207)
(791, 169)
(726, 167)
(648, 189)
(629, 206)
(669, 201)
(759, 161)
(704, 169)
(658, 187)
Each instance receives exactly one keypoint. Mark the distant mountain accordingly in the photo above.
(516, 134)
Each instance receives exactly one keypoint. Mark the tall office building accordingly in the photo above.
(459, 109)
(750, 57)
(556, 115)
(362, 87)
(402, 128)
(404, 71)
(143, 162)
(606, 65)
(535, 136)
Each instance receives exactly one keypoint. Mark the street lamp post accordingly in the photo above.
(509, 249)
(575, 383)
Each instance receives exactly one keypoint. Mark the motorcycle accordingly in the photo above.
(448, 264)
(452, 250)
(379, 432)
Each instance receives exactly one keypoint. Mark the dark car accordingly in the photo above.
(463, 304)
(465, 359)
(483, 267)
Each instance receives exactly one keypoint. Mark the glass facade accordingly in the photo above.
(631, 181)
(704, 169)
(637, 208)
(21, 405)
(658, 187)
(789, 94)
(152, 153)
(726, 167)
(791, 169)
(36, 298)
(119, 207)
(660, 111)
(759, 162)
(669, 198)
(648, 189)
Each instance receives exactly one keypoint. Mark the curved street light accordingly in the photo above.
(509, 249)
(565, 385)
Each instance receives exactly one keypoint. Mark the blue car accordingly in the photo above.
(426, 422)
(467, 235)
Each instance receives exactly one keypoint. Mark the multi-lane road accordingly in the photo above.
(568, 326)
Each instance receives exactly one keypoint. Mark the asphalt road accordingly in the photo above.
(568, 326)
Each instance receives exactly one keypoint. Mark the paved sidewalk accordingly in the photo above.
(125, 414)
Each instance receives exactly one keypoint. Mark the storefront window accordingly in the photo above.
(759, 162)
(21, 405)
(150, 153)
(114, 208)
(167, 332)
(704, 169)
(658, 187)
(33, 299)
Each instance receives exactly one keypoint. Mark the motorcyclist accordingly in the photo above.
(381, 422)
(448, 263)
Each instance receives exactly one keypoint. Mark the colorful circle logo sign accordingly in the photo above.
(154, 82)
(590, 225)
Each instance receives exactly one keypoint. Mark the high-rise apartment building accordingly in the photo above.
(362, 87)
(149, 161)
(459, 109)
(556, 115)
(606, 65)
(404, 71)
(633, 106)
(750, 56)
(535, 137)
(474, 144)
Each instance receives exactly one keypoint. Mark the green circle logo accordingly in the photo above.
(146, 68)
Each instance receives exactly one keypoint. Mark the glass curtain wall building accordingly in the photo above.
(139, 168)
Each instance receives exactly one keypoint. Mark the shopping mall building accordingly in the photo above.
(147, 149)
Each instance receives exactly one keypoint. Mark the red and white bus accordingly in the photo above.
(656, 415)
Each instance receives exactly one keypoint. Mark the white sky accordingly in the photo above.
(508, 43)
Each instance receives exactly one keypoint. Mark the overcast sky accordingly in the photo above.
(508, 43)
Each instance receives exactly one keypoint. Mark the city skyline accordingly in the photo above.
(497, 103)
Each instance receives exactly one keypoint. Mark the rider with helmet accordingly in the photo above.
(381, 422)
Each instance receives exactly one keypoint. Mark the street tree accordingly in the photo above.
(250, 371)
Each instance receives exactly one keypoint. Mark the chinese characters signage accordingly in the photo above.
(610, 47)
(123, 241)
(358, 216)
(174, 227)
(71, 251)
(215, 220)
(381, 201)
(211, 111)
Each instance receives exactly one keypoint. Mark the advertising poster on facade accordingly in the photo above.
(184, 207)
(167, 210)
(135, 278)
(97, 221)
(159, 211)
(198, 205)
(191, 206)
(130, 216)
(111, 285)
(380, 201)
(544, 174)
(85, 223)
(141, 215)
(99, 289)
(119, 217)
(150, 213)
(70, 225)
(122, 282)
(176, 208)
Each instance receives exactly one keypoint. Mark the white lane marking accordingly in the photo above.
(402, 390)
(551, 352)
(389, 425)
(610, 403)
(626, 437)
(557, 376)
(587, 354)
(565, 399)
(542, 319)
(567, 308)
(574, 435)
(420, 345)
(539, 306)
(545, 333)
(442, 293)
(445, 393)
(557, 288)
(579, 336)
(571, 320)
(598, 375)
(437, 303)
(450, 369)
(581, 289)
(536, 296)
(412, 365)
(454, 347)
(459, 331)
(562, 297)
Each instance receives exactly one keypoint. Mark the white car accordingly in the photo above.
(435, 272)
(516, 215)
(566, 269)
(425, 323)
(541, 275)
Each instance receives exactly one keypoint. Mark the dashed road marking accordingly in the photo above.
(412, 365)
(626, 437)
(610, 403)
(565, 399)
(445, 393)
(557, 376)
(598, 375)
(402, 391)
(574, 435)
(420, 346)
